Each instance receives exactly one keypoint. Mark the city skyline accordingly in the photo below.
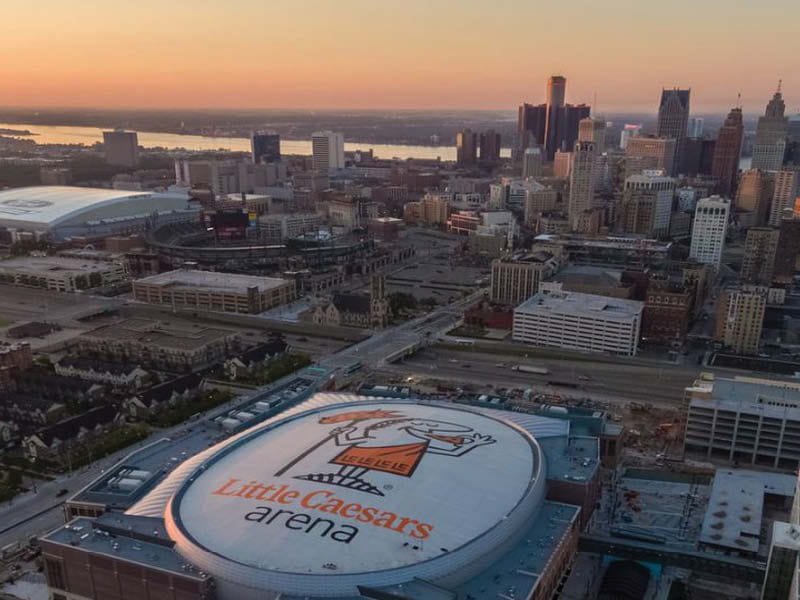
(316, 54)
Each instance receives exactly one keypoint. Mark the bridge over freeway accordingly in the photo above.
(715, 564)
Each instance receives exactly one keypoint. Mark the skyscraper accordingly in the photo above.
(467, 147)
(121, 147)
(784, 195)
(709, 229)
(771, 133)
(531, 125)
(753, 197)
(740, 318)
(758, 262)
(593, 130)
(725, 162)
(556, 95)
(490, 146)
(327, 149)
(265, 146)
(581, 181)
(673, 119)
(532, 162)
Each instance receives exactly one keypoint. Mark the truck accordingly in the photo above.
(533, 370)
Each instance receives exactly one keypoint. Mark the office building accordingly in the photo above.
(327, 148)
(695, 129)
(727, 151)
(562, 164)
(490, 146)
(784, 195)
(754, 196)
(539, 200)
(517, 278)
(709, 229)
(771, 134)
(740, 318)
(206, 290)
(582, 322)
(760, 250)
(667, 311)
(643, 153)
(673, 120)
(265, 146)
(647, 204)
(532, 162)
(466, 147)
(628, 131)
(561, 123)
(788, 250)
(783, 562)
(121, 148)
(531, 126)
(581, 180)
(746, 420)
(593, 130)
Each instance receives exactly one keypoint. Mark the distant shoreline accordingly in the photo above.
(24, 132)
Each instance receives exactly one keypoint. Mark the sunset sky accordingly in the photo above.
(394, 54)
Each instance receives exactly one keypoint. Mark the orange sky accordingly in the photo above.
(393, 54)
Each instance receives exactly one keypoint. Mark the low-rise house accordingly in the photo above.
(144, 403)
(254, 358)
(119, 374)
(30, 409)
(40, 381)
(50, 443)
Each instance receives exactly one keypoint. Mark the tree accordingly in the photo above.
(399, 301)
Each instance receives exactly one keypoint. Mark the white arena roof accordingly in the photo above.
(372, 492)
(42, 207)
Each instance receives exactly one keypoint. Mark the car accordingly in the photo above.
(583, 378)
(302, 339)
(62, 492)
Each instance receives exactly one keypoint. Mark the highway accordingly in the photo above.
(608, 382)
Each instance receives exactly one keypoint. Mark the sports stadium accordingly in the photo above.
(62, 212)
(347, 496)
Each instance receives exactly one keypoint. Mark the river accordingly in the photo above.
(64, 134)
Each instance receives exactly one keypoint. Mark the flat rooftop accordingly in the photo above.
(54, 265)
(771, 397)
(217, 282)
(736, 506)
(589, 306)
(157, 333)
(137, 539)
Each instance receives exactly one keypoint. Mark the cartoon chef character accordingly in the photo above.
(393, 444)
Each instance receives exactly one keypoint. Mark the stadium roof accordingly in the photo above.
(53, 205)
(413, 498)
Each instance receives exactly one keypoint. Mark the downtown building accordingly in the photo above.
(327, 151)
(772, 131)
(744, 420)
(647, 153)
(727, 152)
(646, 204)
(753, 197)
(582, 322)
(582, 180)
(709, 229)
(121, 148)
(760, 252)
(673, 120)
(517, 278)
(740, 318)
(785, 195)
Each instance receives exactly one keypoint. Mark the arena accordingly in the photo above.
(62, 212)
(349, 496)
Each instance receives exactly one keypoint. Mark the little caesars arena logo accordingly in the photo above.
(362, 443)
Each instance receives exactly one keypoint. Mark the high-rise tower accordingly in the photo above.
(771, 133)
(673, 120)
(725, 163)
(556, 94)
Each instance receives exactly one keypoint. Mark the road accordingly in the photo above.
(607, 382)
